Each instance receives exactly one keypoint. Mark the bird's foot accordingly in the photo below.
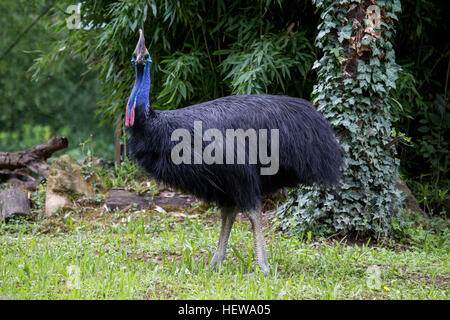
(216, 261)
(265, 271)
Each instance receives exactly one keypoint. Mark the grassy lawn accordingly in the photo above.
(99, 254)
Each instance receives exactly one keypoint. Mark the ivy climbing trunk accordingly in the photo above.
(355, 75)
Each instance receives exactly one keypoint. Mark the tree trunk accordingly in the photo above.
(13, 202)
(118, 146)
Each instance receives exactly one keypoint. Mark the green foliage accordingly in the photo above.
(429, 197)
(126, 175)
(264, 64)
(122, 174)
(423, 93)
(434, 143)
(358, 108)
(422, 234)
(26, 137)
(63, 102)
(199, 52)
(182, 73)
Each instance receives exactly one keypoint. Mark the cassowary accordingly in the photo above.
(306, 149)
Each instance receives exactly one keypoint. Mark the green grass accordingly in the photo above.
(96, 254)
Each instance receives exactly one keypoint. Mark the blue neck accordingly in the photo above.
(141, 88)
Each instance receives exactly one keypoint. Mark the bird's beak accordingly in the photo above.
(141, 53)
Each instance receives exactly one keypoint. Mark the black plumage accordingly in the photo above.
(308, 151)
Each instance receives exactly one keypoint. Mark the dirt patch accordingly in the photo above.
(439, 281)
(160, 290)
(158, 258)
(353, 240)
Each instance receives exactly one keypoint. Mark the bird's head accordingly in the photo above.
(139, 98)
(140, 55)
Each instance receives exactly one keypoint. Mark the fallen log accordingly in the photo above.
(125, 200)
(15, 165)
(13, 202)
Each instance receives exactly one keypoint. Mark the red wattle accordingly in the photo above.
(132, 115)
(129, 119)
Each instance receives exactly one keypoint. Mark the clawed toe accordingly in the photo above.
(215, 262)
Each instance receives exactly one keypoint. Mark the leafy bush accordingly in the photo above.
(259, 66)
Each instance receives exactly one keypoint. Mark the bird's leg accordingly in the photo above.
(255, 217)
(228, 217)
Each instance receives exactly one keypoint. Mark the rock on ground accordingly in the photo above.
(65, 184)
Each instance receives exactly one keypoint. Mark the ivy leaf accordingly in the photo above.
(396, 6)
(322, 34)
(375, 62)
(316, 64)
(345, 33)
